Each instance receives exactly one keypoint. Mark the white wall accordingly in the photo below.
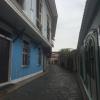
(45, 13)
(44, 20)
(30, 10)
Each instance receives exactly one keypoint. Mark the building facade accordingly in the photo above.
(27, 29)
(89, 50)
(54, 58)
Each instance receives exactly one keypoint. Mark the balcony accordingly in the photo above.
(11, 13)
(39, 25)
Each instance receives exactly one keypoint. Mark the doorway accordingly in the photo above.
(4, 59)
(91, 64)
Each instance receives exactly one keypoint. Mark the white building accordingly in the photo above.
(27, 28)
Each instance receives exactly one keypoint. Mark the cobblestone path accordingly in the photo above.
(57, 85)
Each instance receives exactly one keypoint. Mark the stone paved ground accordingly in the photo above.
(57, 85)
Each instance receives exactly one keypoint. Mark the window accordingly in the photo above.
(31, 7)
(26, 53)
(21, 3)
(40, 57)
(48, 28)
(39, 13)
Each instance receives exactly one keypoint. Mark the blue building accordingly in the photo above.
(27, 30)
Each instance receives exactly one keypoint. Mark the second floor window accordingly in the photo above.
(21, 3)
(48, 29)
(39, 13)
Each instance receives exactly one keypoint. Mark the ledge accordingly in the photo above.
(16, 18)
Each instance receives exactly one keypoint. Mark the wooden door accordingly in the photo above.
(4, 59)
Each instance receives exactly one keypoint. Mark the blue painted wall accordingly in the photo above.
(17, 71)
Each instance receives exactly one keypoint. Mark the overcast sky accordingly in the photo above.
(70, 13)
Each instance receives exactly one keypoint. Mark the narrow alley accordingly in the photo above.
(58, 84)
(49, 49)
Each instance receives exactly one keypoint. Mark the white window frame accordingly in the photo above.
(25, 54)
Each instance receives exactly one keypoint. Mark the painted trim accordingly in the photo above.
(25, 77)
(20, 79)
(9, 63)
(9, 68)
(4, 84)
(5, 37)
(11, 56)
(88, 95)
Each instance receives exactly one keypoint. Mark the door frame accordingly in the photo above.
(10, 57)
(93, 34)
